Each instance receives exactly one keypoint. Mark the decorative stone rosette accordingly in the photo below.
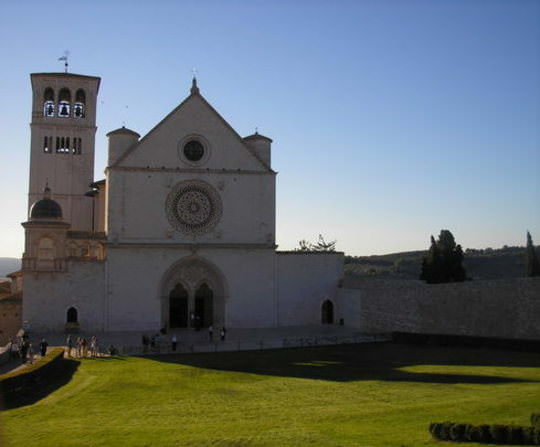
(193, 207)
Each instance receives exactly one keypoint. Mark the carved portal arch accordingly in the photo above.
(206, 291)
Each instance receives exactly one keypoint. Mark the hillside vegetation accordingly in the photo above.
(506, 262)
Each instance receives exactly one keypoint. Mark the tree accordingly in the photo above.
(320, 245)
(443, 262)
(533, 266)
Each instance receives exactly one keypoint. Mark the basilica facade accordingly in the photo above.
(181, 229)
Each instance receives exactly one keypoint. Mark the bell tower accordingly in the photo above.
(63, 131)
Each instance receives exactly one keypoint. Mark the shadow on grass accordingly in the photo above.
(40, 388)
(370, 361)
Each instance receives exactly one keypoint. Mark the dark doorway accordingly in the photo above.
(72, 316)
(204, 306)
(178, 307)
(327, 312)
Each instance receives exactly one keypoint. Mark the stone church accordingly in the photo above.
(181, 229)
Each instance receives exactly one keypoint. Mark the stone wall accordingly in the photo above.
(304, 281)
(48, 296)
(506, 308)
(10, 317)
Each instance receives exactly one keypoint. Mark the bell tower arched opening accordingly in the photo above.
(48, 102)
(64, 103)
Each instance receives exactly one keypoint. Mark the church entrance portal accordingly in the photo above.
(193, 295)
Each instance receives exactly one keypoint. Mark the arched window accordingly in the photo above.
(72, 315)
(327, 312)
(80, 101)
(48, 102)
(46, 249)
(64, 103)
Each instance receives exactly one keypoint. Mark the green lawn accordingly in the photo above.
(360, 395)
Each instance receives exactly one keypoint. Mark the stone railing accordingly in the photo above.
(164, 347)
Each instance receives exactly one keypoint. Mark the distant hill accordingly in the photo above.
(506, 262)
(8, 265)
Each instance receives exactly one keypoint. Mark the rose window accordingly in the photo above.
(193, 207)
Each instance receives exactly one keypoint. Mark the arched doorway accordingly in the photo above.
(204, 305)
(193, 287)
(178, 307)
(72, 315)
(327, 312)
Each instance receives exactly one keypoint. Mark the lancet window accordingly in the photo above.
(80, 101)
(48, 102)
(64, 103)
(66, 145)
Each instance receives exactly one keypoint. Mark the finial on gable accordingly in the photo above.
(194, 88)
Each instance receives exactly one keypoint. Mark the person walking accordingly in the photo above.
(24, 350)
(174, 341)
(222, 333)
(30, 353)
(211, 333)
(84, 344)
(69, 344)
(43, 347)
(93, 346)
(14, 349)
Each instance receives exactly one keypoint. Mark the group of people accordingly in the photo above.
(21, 348)
(157, 341)
(82, 347)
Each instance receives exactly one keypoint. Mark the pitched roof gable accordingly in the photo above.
(121, 161)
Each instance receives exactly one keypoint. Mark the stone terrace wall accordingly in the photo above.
(506, 308)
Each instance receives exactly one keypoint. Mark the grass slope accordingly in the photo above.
(363, 395)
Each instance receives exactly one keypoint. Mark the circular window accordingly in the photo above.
(193, 150)
(193, 207)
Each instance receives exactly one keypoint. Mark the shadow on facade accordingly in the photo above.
(369, 361)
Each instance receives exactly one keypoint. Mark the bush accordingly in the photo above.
(535, 419)
(435, 429)
(477, 433)
(514, 435)
(496, 434)
(444, 432)
(457, 432)
(536, 436)
(528, 435)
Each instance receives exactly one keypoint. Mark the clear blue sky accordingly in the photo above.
(391, 119)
